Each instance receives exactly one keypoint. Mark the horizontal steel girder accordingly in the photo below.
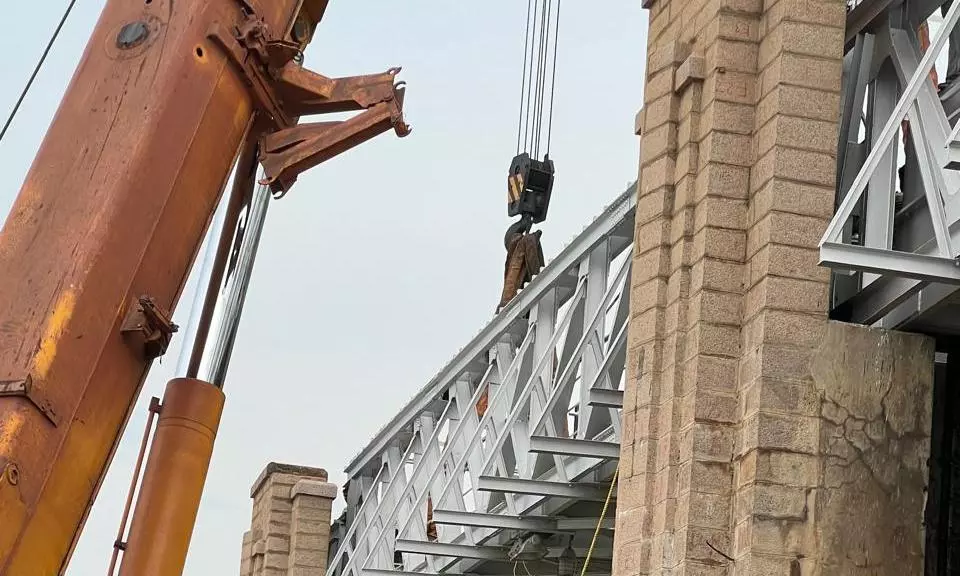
(452, 550)
(496, 553)
(577, 491)
(380, 572)
(878, 260)
(575, 447)
(604, 397)
(525, 523)
(503, 522)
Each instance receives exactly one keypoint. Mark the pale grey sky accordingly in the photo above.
(382, 263)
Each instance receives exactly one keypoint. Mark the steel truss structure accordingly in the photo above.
(513, 445)
(893, 242)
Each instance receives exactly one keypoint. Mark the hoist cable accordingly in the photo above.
(36, 70)
(526, 121)
(541, 70)
(523, 81)
(543, 76)
(531, 146)
(543, 27)
(553, 78)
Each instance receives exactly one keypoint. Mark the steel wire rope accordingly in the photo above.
(36, 69)
(526, 121)
(543, 75)
(553, 78)
(523, 76)
(541, 69)
(542, 27)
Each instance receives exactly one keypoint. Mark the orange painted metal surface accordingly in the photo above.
(113, 208)
(173, 481)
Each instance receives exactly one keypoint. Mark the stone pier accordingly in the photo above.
(758, 438)
(290, 529)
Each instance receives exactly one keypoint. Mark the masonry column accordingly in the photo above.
(675, 500)
(310, 526)
(745, 447)
(290, 525)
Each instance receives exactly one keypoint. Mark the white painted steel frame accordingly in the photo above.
(883, 57)
(552, 358)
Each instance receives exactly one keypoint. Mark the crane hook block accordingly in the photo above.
(529, 185)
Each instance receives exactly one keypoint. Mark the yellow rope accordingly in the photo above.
(603, 513)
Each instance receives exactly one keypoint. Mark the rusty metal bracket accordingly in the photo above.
(285, 91)
(287, 153)
(247, 49)
(150, 325)
(26, 389)
(305, 92)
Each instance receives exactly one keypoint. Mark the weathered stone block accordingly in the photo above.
(735, 26)
(692, 70)
(732, 56)
(721, 212)
(646, 296)
(729, 86)
(717, 179)
(802, 133)
(728, 117)
(799, 101)
(669, 54)
(659, 84)
(714, 274)
(715, 407)
(659, 142)
(714, 307)
(727, 148)
(830, 13)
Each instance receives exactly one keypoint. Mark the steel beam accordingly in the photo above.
(606, 397)
(908, 265)
(575, 524)
(575, 490)
(875, 301)
(575, 447)
(862, 16)
(495, 553)
(378, 572)
(881, 192)
(918, 304)
(524, 523)
(452, 550)
(500, 521)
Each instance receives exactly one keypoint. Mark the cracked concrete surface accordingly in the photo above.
(875, 390)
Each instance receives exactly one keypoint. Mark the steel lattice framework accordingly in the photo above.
(893, 241)
(515, 442)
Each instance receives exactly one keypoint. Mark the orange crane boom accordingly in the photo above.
(98, 246)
